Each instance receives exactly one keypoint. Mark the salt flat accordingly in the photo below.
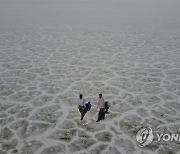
(50, 51)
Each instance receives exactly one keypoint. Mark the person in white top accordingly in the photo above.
(81, 105)
(101, 106)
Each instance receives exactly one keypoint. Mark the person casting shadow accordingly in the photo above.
(101, 105)
(81, 104)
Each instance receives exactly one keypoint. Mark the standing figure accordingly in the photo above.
(81, 104)
(101, 105)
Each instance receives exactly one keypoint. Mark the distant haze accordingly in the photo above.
(93, 13)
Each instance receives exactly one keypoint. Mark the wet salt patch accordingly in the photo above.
(160, 112)
(54, 149)
(16, 109)
(161, 75)
(177, 93)
(104, 136)
(5, 105)
(35, 129)
(121, 108)
(122, 85)
(8, 145)
(83, 134)
(126, 144)
(14, 151)
(113, 150)
(177, 65)
(135, 101)
(153, 122)
(63, 135)
(19, 124)
(169, 77)
(171, 88)
(6, 134)
(129, 124)
(98, 149)
(24, 113)
(166, 82)
(81, 144)
(20, 96)
(176, 81)
(150, 79)
(152, 89)
(136, 73)
(41, 100)
(67, 124)
(34, 93)
(6, 92)
(95, 78)
(29, 76)
(1, 81)
(168, 96)
(152, 70)
(150, 99)
(116, 131)
(142, 112)
(91, 127)
(165, 150)
(46, 116)
(15, 87)
(3, 98)
(172, 105)
(31, 88)
(6, 120)
(173, 72)
(31, 147)
(172, 119)
(109, 90)
(15, 80)
(3, 115)
(8, 74)
(163, 66)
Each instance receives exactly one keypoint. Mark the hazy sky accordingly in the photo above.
(91, 12)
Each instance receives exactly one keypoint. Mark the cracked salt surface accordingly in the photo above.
(51, 51)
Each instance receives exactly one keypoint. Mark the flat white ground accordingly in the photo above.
(50, 51)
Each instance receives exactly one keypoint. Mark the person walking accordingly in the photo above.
(101, 106)
(81, 104)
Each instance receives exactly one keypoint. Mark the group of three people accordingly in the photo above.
(102, 105)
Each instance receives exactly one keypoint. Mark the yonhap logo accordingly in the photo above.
(144, 136)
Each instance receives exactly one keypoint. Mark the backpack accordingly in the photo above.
(88, 106)
(107, 107)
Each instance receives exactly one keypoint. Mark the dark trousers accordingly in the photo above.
(81, 110)
(101, 115)
(84, 112)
